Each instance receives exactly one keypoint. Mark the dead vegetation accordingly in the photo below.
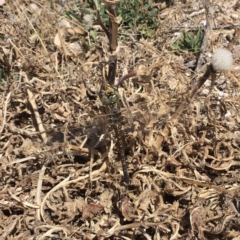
(60, 173)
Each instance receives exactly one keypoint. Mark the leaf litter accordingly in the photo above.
(182, 143)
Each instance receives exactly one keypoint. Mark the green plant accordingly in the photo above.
(138, 15)
(189, 42)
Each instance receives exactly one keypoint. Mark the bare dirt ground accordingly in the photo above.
(61, 177)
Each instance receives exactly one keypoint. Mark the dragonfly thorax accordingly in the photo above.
(110, 96)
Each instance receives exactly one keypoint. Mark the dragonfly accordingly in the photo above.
(72, 135)
(110, 98)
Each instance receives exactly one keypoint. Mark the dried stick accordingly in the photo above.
(35, 112)
(113, 27)
(99, 21)
(167, 175)
(113, 33)
(5, 112)
(24, 203)
(202, 50)
(235, 79)
(38, 192)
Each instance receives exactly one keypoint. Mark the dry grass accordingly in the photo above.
(59, 174)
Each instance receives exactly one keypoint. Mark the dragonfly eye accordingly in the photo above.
(110, 96)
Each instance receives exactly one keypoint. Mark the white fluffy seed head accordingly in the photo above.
(222, 60)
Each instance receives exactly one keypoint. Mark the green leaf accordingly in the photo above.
(96, 3)
(175, 47)
(188, 39)
(154, 12)
(93, 34)
(199, 37)
(189, 42)
(147, 5)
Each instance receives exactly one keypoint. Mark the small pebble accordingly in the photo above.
(234, 16)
